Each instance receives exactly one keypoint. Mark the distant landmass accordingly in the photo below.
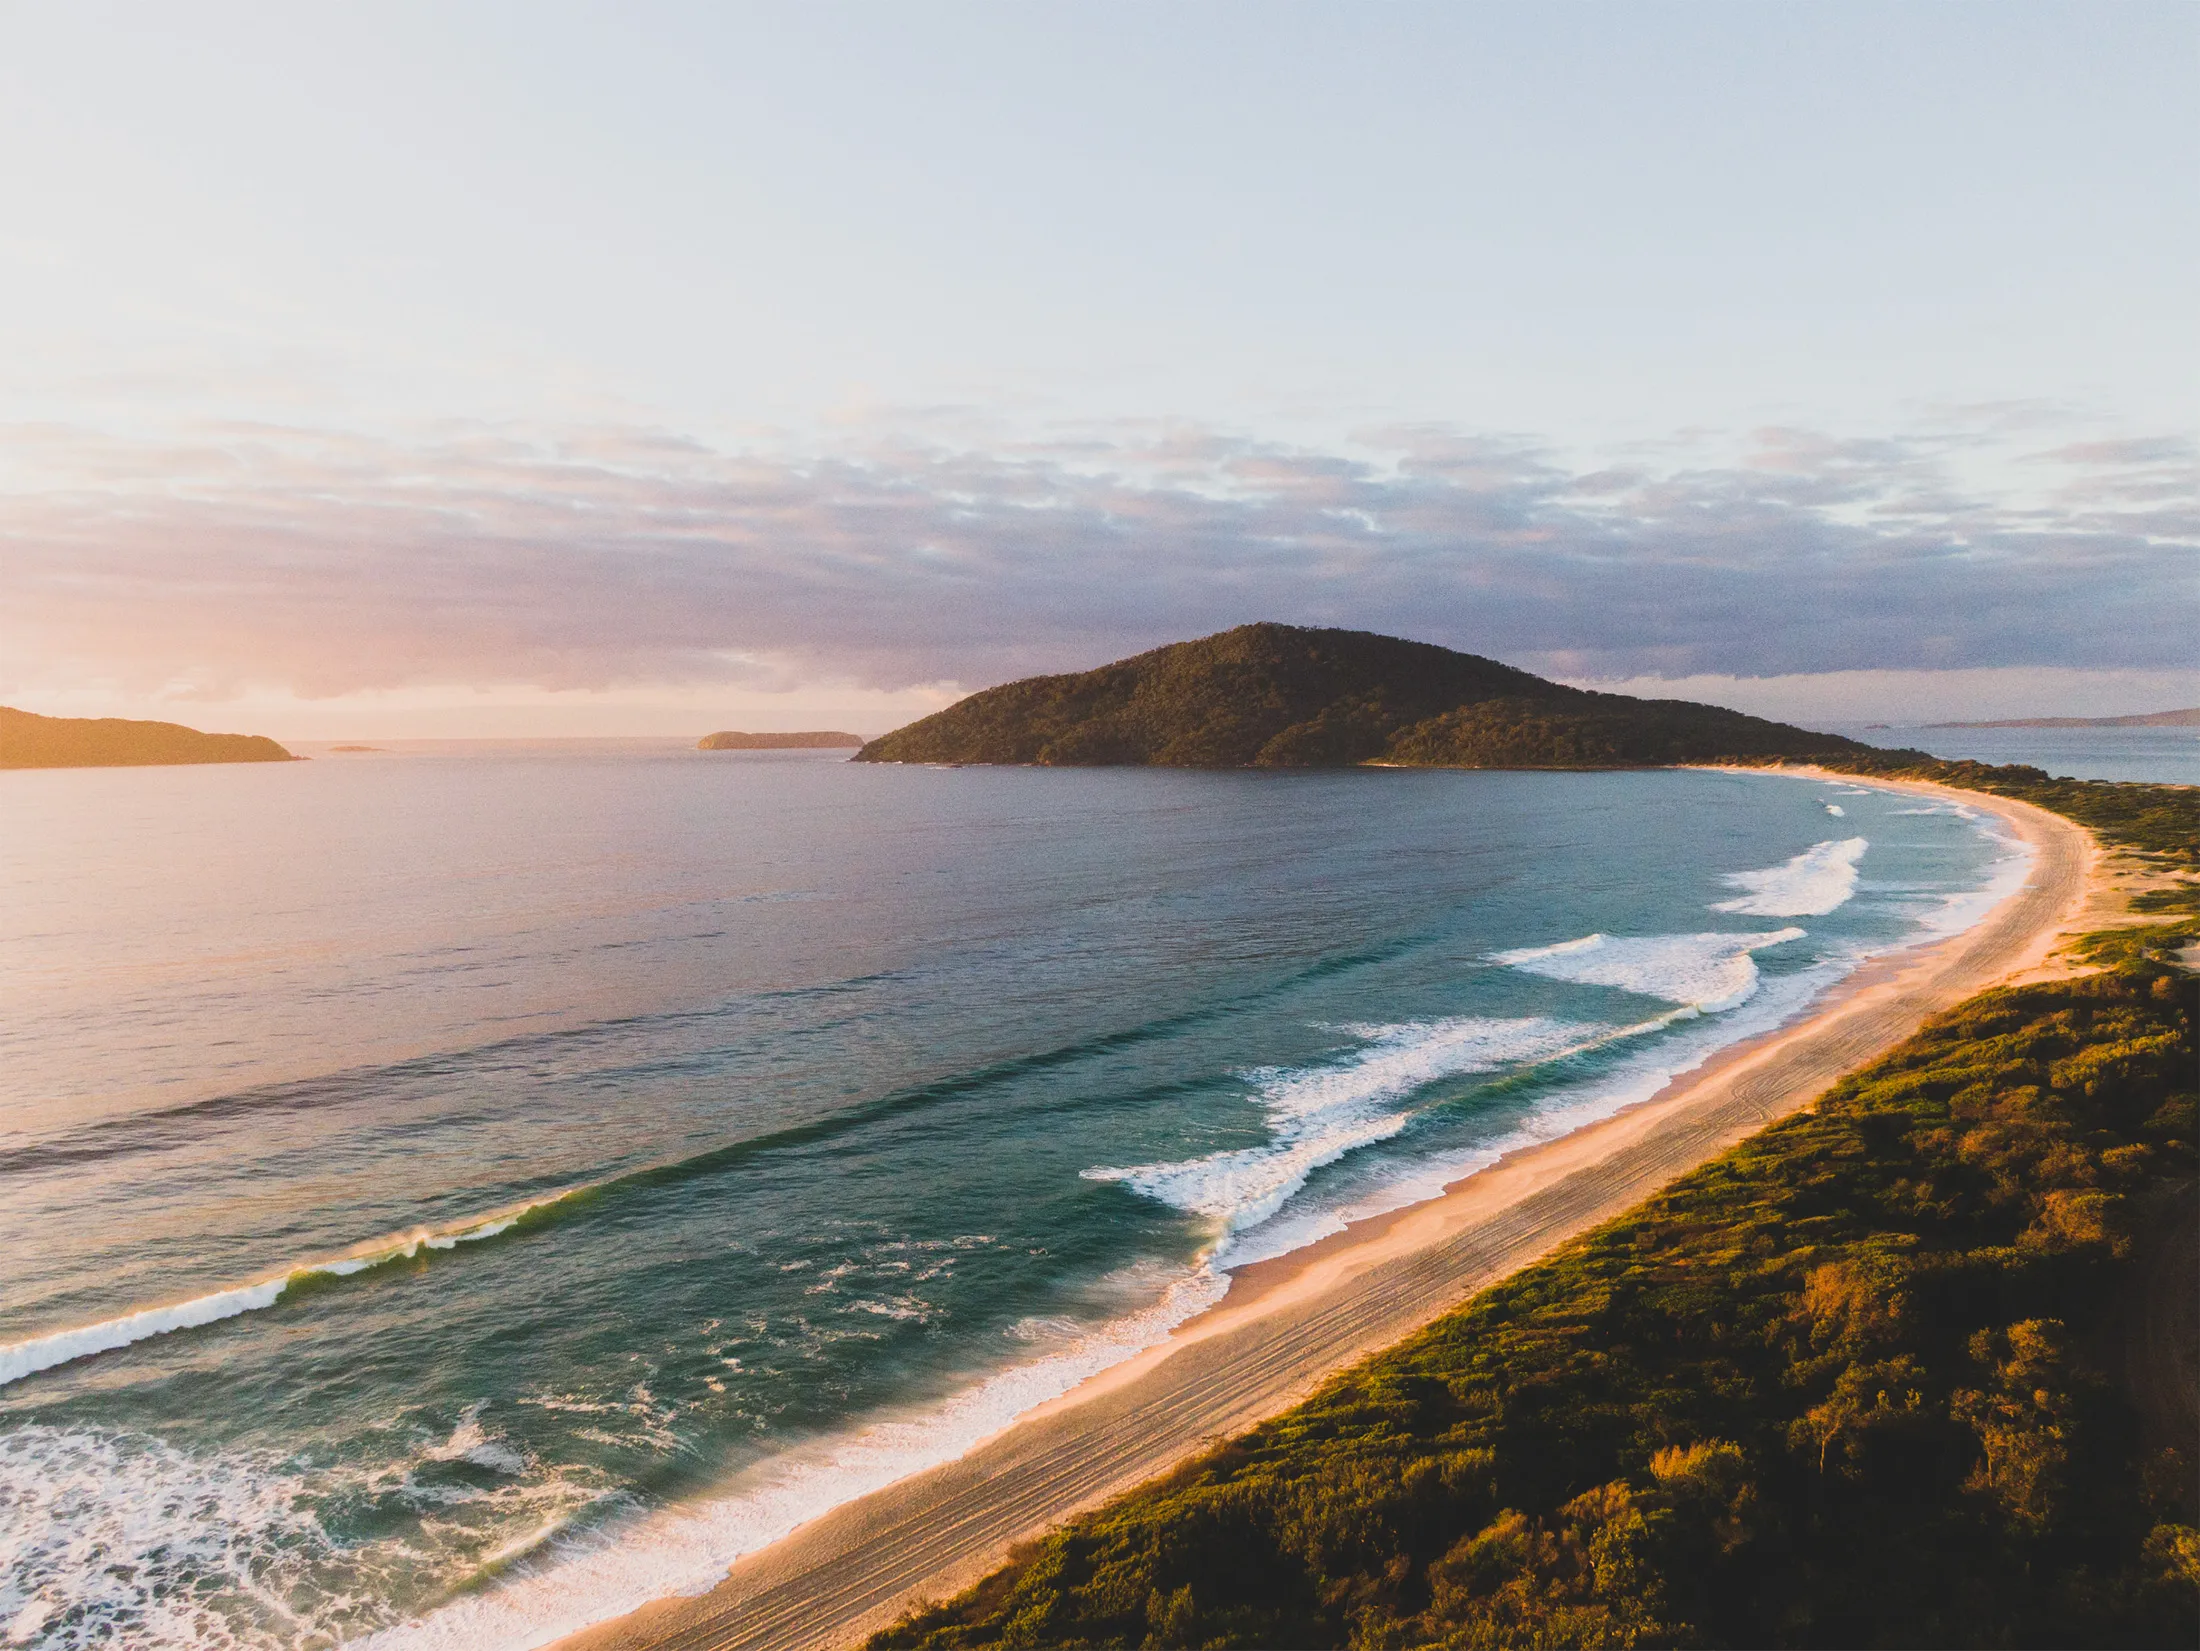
(28, 740)
(817, 740)
(2153, 719)
(1284, 696)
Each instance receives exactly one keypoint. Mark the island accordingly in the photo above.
(1289, 696)
(733, 739)
(28, 740)
(2187, 718)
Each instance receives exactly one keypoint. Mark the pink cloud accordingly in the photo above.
(327, 562)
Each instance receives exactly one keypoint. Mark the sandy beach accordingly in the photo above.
(1289, 1323)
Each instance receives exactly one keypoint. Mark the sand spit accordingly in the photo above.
(1289, 1323)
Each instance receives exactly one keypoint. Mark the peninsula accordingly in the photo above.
(733, 739)
(2187, 718)
(28, 740)
(1285, 696)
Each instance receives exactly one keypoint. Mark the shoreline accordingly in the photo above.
(1289, 1322)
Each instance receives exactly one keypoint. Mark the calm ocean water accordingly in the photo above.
(2167, 755)
(450, 1195)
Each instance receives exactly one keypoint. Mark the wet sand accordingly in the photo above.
(1290, 1323)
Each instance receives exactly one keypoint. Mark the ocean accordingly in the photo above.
(2167, 756)
(451, 1194)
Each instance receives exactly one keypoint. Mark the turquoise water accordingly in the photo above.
(450, 1195)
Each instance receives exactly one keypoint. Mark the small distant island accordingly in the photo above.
(349, 748)
(1287, 696)
(2189, 718)
(816, 740)
(28, 740)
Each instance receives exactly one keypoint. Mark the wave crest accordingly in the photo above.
(1708, 972)
(1813, 883)
(28, 1357)
(1316, 1115)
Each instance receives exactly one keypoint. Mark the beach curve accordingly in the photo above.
(1288, 1324)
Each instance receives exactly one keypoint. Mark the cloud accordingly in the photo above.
(219, 557)
(2147, 450)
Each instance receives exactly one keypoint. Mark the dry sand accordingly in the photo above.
(1288, 1324)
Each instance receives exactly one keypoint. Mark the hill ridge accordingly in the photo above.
(29, 740)
(1269, 695)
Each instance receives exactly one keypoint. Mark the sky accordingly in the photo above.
(548, 369)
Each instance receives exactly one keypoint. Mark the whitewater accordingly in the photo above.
(537, 1216)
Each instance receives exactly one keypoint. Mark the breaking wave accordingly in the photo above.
(600, 1573)
(95, 1548)
(1639, 1073)
(1708, 972)
(2005, 875)
(163, 1580)
(1316, 1115)
(28, 1357)
(1818, 880)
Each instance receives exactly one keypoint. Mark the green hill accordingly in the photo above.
(1283, 696)
(28, 740)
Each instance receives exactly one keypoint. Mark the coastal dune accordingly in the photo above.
(1287, 1324)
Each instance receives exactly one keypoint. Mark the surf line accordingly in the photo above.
(27, 1358)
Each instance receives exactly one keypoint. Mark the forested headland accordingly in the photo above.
(28, 740)
(1286, 696)
(1914, 1367)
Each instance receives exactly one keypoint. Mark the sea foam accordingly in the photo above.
(1708, 972)
(1818, 880)
(587, 1575)
(89, 1530)
(1317, 1114)
(1688, 1040)
(2005, 875)
(93, 1551)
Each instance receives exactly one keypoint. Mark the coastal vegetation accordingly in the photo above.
(1284, 696)
(1914, 1367)
(28, 740)
(732, 739)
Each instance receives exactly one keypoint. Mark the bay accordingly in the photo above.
(452, 1192)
